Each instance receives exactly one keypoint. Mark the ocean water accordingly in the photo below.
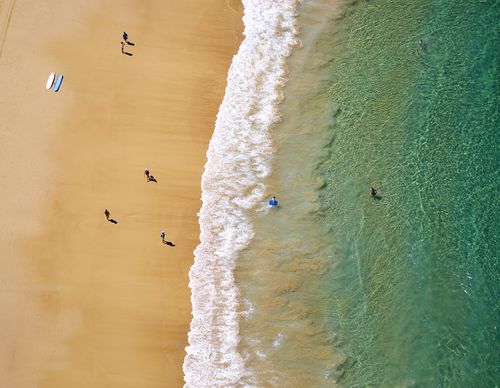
(335, 288)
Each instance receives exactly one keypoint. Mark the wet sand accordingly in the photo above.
(84, 302)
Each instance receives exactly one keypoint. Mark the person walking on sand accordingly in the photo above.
(126, 41)
(107, 214)
(169, 243)
(149, 177)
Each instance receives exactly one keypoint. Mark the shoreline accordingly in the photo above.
(91, 303)
(239, 159)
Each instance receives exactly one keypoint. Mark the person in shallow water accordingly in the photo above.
(273, 202)
(373, 192)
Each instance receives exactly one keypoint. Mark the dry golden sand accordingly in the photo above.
(85, 303)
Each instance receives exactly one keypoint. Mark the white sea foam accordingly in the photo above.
(238, 159)
(278, 341)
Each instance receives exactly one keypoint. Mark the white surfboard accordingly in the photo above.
(50, 80)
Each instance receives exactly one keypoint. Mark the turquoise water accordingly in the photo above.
(341, 289)
(414, 297)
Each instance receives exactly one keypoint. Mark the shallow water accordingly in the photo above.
(401, 290)
(285, 336)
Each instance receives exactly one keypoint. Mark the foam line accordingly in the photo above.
(238, 159)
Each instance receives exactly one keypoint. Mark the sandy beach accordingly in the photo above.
(84, 302)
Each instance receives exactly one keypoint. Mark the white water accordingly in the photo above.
(238, 160)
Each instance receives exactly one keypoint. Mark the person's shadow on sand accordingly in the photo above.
(169, 243)
(107, 214)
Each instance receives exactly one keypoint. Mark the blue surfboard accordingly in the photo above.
(58, 83)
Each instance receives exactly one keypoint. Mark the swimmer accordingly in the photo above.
(273, 202)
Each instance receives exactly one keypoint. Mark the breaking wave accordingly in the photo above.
(238, 160)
